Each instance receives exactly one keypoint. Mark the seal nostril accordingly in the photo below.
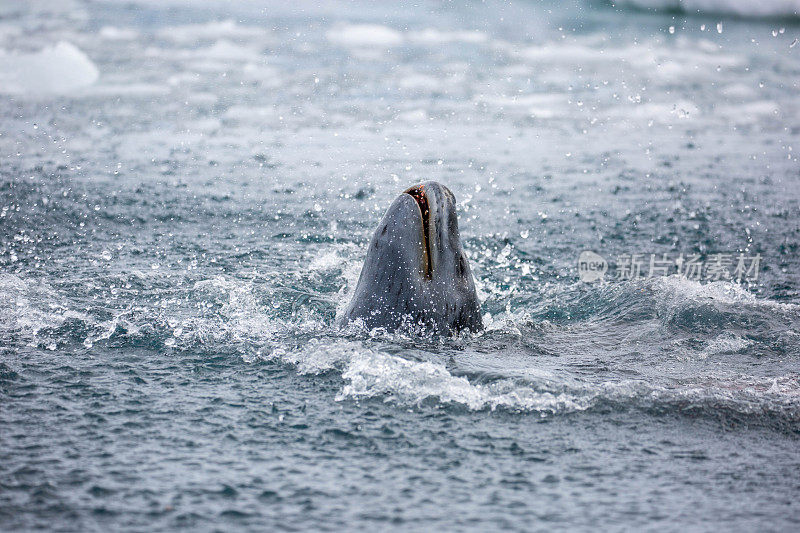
(418, 194)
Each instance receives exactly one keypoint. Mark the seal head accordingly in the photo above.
(416, 275)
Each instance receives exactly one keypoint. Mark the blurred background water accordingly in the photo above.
(186, 193)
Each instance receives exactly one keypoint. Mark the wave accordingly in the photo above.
(523, 363)
(371, 373)
(738, 8)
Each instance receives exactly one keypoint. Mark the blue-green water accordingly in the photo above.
(185, 201)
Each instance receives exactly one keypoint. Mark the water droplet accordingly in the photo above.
(672, 29)
(719, 27)
(524, 234)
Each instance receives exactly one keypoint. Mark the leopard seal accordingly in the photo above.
(416, 276)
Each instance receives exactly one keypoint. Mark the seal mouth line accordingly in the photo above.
(418, 194)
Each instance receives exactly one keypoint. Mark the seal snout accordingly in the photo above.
(415, 274)
(418, 194)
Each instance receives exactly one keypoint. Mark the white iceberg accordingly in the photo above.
(215, 30)
(59, 69)
(364, 35)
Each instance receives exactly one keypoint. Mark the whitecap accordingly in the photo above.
(681, 288)
(725, 343)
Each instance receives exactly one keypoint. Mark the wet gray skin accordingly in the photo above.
(415, 275)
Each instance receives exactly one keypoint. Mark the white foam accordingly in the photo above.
(725, 343)
(29, 306)
(239, 318)
(326, 261)
(350, 274)
(60, 69)
(364, 35)
(371, 373)
(720, 291)
(316, 357)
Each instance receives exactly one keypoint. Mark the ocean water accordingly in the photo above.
(186, 193)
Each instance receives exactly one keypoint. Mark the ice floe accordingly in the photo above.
(58, 69)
